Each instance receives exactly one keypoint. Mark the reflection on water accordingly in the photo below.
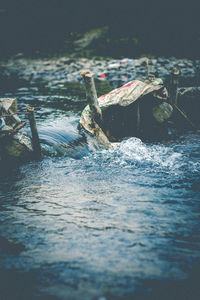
(117, 224)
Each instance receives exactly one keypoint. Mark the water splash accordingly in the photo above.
(134, 151)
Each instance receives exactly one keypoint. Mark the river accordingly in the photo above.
(104, 224)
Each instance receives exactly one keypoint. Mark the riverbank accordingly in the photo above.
(55, 72)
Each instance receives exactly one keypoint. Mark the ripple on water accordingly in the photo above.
(94, 224)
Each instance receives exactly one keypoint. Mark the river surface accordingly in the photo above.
(104, 224)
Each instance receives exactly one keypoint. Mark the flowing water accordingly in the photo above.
(105, 224)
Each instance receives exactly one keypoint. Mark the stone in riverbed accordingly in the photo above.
(162, 112)
(11, 246)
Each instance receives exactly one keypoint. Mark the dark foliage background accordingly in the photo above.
(134, 27)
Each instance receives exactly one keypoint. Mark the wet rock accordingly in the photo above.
(162, 112)
(16, 147)
(13, 144)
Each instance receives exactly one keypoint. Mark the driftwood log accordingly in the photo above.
(35, 137)
(91, 95)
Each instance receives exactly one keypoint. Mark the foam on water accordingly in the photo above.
(135, 151)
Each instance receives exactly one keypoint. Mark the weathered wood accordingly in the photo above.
(147, 68)
(173, 87)
(35, 138)
(183, 114)
(18, 127)
(91, 95)
(149, 75)
(138, 117)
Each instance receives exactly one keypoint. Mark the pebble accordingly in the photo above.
(64, 69)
